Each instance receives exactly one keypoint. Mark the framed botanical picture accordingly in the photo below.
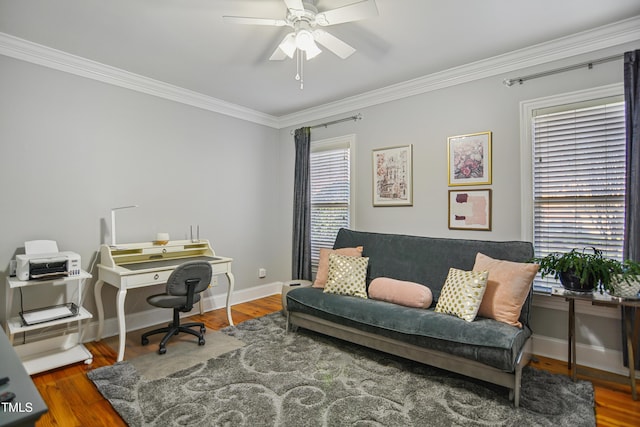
(393, 176)
(470, 210)
(469, 159)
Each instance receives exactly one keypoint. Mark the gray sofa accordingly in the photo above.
(486, 349)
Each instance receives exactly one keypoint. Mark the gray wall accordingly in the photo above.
(73, 148)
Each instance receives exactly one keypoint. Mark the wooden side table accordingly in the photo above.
(608, 301)
(287, 286)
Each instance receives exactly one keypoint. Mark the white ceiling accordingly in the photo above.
(185, 42)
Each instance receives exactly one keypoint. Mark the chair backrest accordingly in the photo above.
(198, 272)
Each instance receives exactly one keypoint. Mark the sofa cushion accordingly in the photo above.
(323, 263)
(400, 292)
(508, 286)
(347, 275)
(462, 293)
(484, 340)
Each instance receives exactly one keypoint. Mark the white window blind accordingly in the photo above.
(579, 179)
(330, 194)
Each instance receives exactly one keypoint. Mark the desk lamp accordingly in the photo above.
(113, 222)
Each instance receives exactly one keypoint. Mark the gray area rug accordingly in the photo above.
(306, 379)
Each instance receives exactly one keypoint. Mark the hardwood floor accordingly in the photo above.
(74, 401)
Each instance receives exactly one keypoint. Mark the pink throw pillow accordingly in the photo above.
(323, 264)
(400, 292)
(507, 288)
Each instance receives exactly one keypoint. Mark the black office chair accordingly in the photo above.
(184, 286)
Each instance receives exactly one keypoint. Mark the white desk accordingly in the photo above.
(138, 265)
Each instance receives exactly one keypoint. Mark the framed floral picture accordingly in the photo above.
(393, 176)
(470, 210)
(469, 159)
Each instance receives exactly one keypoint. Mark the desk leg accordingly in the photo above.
(229, 292)
(630, 353)
(572, 339)
(98, 297)
(122, 326)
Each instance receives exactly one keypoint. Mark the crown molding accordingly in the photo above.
(604, 37)
(25, 50)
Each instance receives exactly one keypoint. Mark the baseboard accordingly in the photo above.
(157, 316)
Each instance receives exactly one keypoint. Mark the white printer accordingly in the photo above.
(43, 261)
(47, 266)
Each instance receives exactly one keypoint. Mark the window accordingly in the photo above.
(331, 190)
(578, 170)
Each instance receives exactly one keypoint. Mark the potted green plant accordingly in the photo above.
(626, 282)
(587, 270)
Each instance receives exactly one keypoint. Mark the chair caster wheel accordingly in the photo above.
(203, 330)
(162, 350)
(145, 341)
(201, 341)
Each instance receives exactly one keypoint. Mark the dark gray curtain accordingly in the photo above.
(301, 256)
(632, 220)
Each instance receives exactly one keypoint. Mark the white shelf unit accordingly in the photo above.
(50, 353)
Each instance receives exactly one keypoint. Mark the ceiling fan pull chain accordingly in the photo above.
(297, 64)
(301, 71)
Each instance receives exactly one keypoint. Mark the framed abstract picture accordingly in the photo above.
(393, 176)
(470, 210)
(469, 159)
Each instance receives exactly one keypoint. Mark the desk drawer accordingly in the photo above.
(162, 250)
(147, 279)
(220, 268)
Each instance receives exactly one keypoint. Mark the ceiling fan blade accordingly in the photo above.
(245, 20)
(333, 43)
(294, 5)
(351, 12)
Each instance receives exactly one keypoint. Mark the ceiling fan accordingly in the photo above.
(305, 20)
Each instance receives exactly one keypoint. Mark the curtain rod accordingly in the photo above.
(346, 119)
(588, 64)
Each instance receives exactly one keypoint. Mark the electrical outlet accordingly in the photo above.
(262, 273)
(214, 281)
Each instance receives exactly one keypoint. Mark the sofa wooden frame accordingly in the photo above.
(460, 365)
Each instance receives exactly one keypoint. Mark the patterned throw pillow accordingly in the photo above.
(462, 293)
(347, 275)
(323, 263)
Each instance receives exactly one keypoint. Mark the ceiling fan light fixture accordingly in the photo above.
(288, 45)
(304, 40)
(312, 50)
